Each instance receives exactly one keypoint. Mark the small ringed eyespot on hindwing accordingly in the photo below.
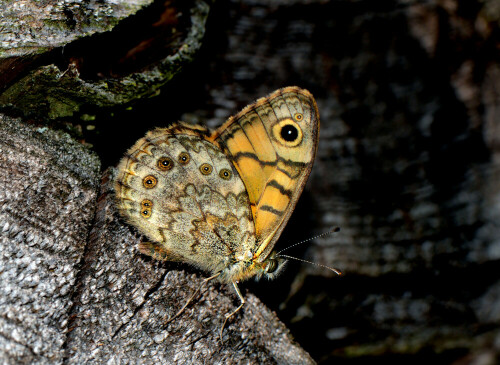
(298, 117)
(149, 182)
(146, 203)
(165, 163)
(145, 212)
(225, 174)
(184, 158)
(206, 169)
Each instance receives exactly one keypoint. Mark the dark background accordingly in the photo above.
(408, 95)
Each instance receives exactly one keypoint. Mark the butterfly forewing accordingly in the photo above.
(272, 143)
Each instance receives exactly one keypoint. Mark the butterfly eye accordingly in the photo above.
(165, 163)
(271, 266)
(225, 174)
(206, 169)
(149, 182)
(184, 158)
(298, 117)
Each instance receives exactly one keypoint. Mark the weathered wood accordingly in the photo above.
(30, 29)
(125, 300)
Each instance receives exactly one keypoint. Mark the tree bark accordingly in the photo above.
(47, 202)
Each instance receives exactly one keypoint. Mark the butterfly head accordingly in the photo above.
(272, 266)
(250, 266)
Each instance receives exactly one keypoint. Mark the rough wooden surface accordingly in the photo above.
(31, 27)
(48, 188)
(136, 296)
(74, 289)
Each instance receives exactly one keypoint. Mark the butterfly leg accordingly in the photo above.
(229, 315)
(179, 312)
(154, 250)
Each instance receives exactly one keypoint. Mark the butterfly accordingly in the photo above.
(219, 200)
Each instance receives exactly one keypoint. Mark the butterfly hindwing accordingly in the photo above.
(194, 207)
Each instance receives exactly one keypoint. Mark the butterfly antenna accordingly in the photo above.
(336, 229)
(336, 271)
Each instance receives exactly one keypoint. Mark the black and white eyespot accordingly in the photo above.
(206, 169)
(225, 174)
(146, 203)
(165, 163)
(287, 132)
(184, 158)
(146, 213)
(149, 182)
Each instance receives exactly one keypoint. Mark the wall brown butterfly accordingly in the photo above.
(219, 200)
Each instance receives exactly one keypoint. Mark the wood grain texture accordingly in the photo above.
(51, 60)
